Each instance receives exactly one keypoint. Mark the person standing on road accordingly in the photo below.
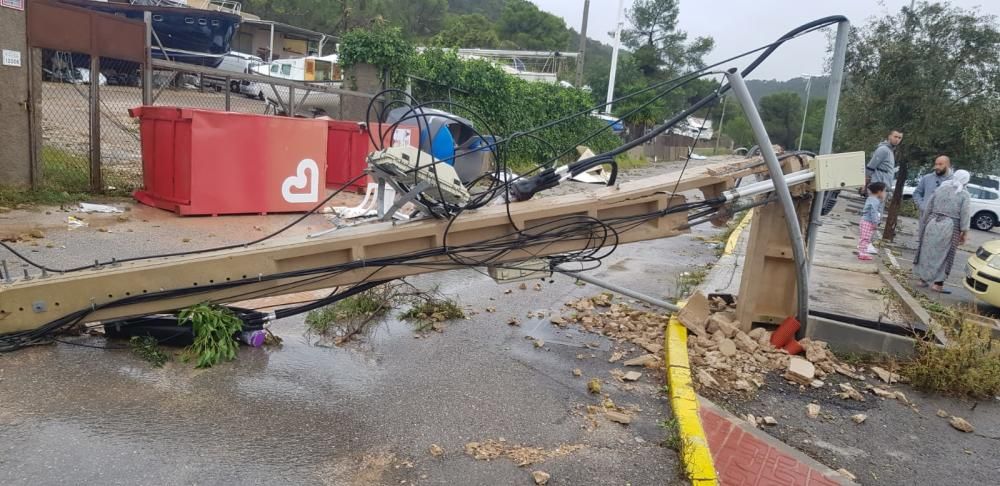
(931, 181)
(943, 226)
(882, 166)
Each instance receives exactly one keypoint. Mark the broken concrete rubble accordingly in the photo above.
(961, 424)
(812, 410)
(632, 376)
(859, 417)
(540, 477)
(694, 315)
(849, 392)
(641, 360)
(801, 371)
(618, 417)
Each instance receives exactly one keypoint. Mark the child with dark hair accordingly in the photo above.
(871, 216)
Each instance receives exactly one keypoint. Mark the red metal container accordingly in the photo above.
(347, 148)
(203, 162)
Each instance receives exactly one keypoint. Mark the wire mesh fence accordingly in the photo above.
(121, 154)
(65, 122)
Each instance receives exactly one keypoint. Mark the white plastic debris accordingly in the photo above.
(74, 223)
(98, 208)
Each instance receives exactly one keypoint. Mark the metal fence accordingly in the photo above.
(90, 143)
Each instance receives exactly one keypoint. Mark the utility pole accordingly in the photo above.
(805, 112)
(583, 44)
(614, 59)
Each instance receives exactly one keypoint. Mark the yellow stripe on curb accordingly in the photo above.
(695, 453)
(734, 237)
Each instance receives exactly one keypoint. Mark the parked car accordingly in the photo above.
(236, 62)
(985, 205)
(982, 273)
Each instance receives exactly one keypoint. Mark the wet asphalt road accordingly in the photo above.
(365, 413)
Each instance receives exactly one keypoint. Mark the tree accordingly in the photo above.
(654, 31)
(934, 72)
(473, 30)
(782, 116)
(530, 28)
(418, 18)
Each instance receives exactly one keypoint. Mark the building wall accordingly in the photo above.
(15, 145)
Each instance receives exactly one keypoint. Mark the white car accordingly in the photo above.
(985, 207)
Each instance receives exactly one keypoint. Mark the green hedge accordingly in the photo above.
(494, 100)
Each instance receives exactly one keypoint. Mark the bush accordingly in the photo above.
(968, 365)
(380, 45)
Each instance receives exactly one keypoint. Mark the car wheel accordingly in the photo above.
(260, 96)
(984, 221)
(234, 87)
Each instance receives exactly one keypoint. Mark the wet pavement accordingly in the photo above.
(364, 413)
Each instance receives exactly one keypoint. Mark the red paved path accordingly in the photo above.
(741, 458)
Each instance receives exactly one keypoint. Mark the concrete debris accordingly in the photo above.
(881, 392)
(577, 372)
(960, 423)
(757, 332)
(538, 287)
(849, 392)
(618, 417)
(594, 386)
(812, 410)
(521, 455)
(744, 342)
(694, 315)
(885, 375)
(727, 347)
(617, 355)
(942, 413)
(652, 348)
(817, 384)
(743, 385)
(557, 320)
(859, 417)
(751, 420)
(847, 474)
(801, 371)
(641, 360)
(706, 379)
(540, 477)
(901, 397)
(632, 376)
(539, 343)
(512, 322)
(768, 420)
(848, 371)
(721, 322)
(436, 450)
(523, 286)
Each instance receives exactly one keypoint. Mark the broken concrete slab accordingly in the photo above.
(632, 376)
(727, 347)
(540, 477)
(706, 379)
(885, 375)
(694, 315)
(859, 417)
(800, 371)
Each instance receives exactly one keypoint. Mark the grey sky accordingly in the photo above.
(737, 25)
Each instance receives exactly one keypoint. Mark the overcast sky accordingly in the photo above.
(737, 25)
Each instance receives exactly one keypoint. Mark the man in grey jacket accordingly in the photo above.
(882, 166)
(931, 181)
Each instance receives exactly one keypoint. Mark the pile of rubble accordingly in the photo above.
(600, 315)
(726, 357)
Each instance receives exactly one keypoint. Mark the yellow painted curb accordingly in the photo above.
(695, 453)
(734, 237)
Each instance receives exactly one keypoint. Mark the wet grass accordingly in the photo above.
(687, 281)
(673, 439)
(148, 349)
(430, 309)
(65, 180)
(346, 317)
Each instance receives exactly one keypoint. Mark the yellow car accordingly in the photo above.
(982, 273)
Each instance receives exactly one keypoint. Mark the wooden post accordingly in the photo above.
(96, 184)
(147, 66)
(229, 83)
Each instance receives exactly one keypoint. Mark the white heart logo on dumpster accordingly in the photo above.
(306, 175)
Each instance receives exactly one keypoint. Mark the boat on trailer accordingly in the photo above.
(182, 33)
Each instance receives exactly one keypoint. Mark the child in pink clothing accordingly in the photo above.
(871, 216)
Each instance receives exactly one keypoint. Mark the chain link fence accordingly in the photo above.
(64, 155)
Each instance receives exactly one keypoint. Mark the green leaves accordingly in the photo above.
(214, 327)
(379, 45)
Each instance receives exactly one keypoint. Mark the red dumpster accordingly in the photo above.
(346, 153)
(348, 146)
(203, 162)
